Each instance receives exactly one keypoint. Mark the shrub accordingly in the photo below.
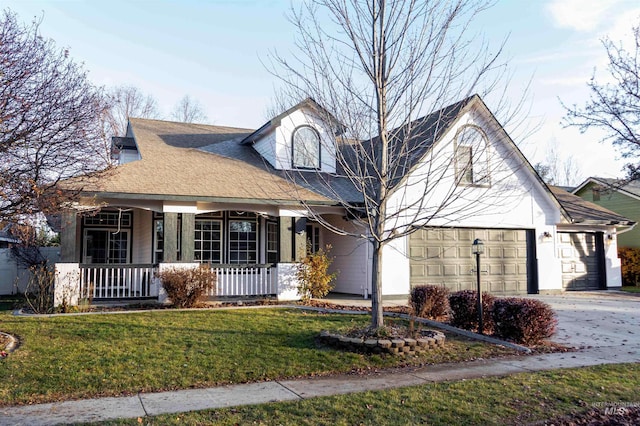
(186, 287)
(313, 274)
(630, 264)
(429, 301)
(39, 291)
(526, 321)
(464, 312)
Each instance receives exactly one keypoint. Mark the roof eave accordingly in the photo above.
(204, 198)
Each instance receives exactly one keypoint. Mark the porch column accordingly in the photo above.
(293, 238)
(300, 239)
(69, 238)
(170, 237)
(187, 236)
(286, 239)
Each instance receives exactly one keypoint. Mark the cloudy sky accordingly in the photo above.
(214, 50)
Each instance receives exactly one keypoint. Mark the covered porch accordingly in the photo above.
(114, 253)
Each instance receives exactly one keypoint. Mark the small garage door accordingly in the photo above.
(442, 256)
(580, 255)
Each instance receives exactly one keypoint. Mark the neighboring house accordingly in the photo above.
(617, 195)
(186, 194)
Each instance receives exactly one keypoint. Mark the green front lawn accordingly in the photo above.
(631, 289)
(520, 399)
(119, 354)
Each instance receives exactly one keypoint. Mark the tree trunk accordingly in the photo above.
(377, 319)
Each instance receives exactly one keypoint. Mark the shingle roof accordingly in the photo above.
(330, 186)
(583, 211)
(631, 187)
(408, 144)
(171, 166)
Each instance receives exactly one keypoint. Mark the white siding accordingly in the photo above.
(612, 262)
(142, 237)
(276, 148)
(395, 267)
(352, 259)
(266, 147)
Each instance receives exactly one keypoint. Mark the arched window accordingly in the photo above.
(306, 148)
(471, 159)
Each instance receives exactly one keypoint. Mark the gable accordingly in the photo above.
(611, 188)
(301, 138)
(509, 193)
(281, 141)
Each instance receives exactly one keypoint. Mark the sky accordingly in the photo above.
(215, 51)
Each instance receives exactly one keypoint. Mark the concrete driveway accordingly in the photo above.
(603, 319)
(586, 320)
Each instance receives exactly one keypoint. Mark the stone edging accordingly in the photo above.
(13, 343)
(393, 346)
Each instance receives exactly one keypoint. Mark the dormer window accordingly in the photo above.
(306, 148)
(471, 160)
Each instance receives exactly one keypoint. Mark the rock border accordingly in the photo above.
(9, 347)
(392, 346)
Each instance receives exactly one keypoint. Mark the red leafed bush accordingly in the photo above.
(630, 263)
(429, 301)
(464, 312)
(526, 321)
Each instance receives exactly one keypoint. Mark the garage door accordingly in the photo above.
(442, 256)
(580, 259)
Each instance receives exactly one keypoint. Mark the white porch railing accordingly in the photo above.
(244, 280)
(116, 281)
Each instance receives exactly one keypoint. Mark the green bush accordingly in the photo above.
(313, 274)
(464, 312)
(429, 301)
(630, 263)
(187, 286)
(526, 321)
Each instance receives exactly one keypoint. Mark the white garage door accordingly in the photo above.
(442, 256)
(580, 260)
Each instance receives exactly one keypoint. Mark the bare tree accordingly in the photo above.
(615, 107)
(376, 67)
(558, 171)
(189, 110)
(51, 118)
(128, 101)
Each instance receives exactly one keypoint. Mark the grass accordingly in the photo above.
(518, 399)
(631, 289)
(85, 356)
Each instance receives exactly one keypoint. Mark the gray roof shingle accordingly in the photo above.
(171, 165)
(583, 211)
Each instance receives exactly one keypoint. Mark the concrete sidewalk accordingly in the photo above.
(151, 404)
(604, 328)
